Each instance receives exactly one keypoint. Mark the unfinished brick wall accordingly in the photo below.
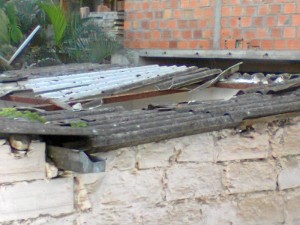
(169, 24)
(190, 24)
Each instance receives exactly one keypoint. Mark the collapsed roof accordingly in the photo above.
(109, 128)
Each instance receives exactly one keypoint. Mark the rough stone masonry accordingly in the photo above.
(229, 177)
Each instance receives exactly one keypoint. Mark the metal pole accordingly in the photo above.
(23, 45)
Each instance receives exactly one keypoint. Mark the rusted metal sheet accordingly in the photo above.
(134, 96)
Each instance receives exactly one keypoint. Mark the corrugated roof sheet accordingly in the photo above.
(77, 86)
(127, 128)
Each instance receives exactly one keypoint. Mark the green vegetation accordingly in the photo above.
(79, 124)
(14, 113)
(64, 36)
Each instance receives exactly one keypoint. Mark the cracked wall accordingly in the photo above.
(227, 177)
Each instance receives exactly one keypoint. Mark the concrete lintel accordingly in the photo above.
(223, 54)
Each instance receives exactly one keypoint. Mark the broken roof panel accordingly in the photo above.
(77, 86)
(126, 128)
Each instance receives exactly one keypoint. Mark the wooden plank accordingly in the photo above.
(31, 167)
(25, 200)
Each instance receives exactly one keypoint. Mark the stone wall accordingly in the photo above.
(228, 177)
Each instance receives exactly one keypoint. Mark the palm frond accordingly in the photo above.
(4, 34)
(58, 21)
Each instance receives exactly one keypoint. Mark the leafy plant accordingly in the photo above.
(58, 21)
(14, 113)
(79, 124)
(14, 29)
(30, 14)
(4, 34)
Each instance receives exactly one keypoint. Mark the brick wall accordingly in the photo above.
(189, 24)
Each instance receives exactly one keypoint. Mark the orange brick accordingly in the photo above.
(183, 45)
(261, 32)
(193, 24)
(185, 4)
(163, 44)
(284, 20)
(275, 9)
(128, 6)
(204, 44)
(296, 20)
(293, 44)
(226, 11)
(194, 4)
(173, 44)
(267, 44)
(176, 34)
(234, 2)
(250, 34)
(224, 21)
(237, 11)
(144, 44)
(230, 44)
(177, 14)
(289, 32)
(246, 21)
(197, 34)
(147, 35)
(127, 25)
(289, 8)
(149, 15)
(276, 32)
(234, 22)
(250, 11)
(202, 23)
(204, 3)
(153, 25)
(270, 21)
(209, 13)
(163, 24)
(237, 33)
(167, 14)
(145, 5)
(158, 15)
(137, 6)
(263, 10)
(140, 15)
(173, 4)
(172, 24)
(194, 44)
(258, 22)
(138, 35)
(226, 32)
(154, 44)
(187, 34)
(145, 24)
(182, 24)
(279, 44)
(156, 5)
(166, 34)
(207, 34)
(156, 34)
